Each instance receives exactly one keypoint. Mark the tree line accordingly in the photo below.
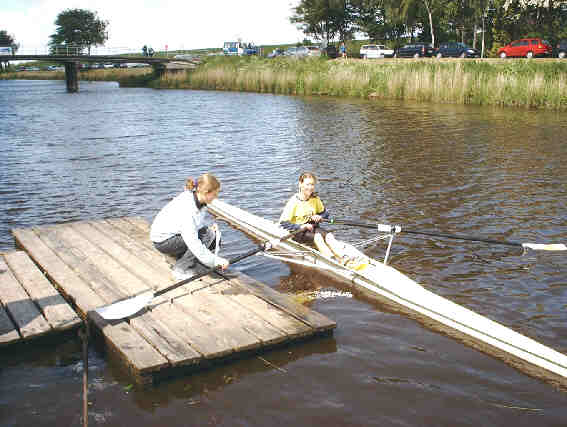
(396, 22)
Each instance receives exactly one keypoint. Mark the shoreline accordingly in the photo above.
(529, 84)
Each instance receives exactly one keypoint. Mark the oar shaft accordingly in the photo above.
(389, 228)
(459, 237)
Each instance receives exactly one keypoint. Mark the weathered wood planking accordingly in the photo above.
(30, 306)
(99, 262)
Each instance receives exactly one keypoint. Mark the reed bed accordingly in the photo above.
(537, 84)
(518, 83)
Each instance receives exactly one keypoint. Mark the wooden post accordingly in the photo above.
(72, 76)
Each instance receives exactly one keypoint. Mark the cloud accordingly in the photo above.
(180, 24)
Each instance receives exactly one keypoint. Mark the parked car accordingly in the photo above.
(561, 49)
(296, 52)
(457, 50)
(415, 50)
(276, 52)
(527, 48)
(331, 51)
(371, 51)
(313, 50)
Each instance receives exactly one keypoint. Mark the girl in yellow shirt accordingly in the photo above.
(304, 210)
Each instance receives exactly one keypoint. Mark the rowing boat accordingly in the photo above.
(386, 282)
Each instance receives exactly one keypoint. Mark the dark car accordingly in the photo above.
(561, 49)
(415, 50)
(457, 50)
(527, 48)
(330, 51)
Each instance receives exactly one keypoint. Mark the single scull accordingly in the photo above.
(386, 282)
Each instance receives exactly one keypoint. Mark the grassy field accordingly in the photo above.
(537, 84)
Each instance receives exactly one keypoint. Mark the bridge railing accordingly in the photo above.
(70, 50)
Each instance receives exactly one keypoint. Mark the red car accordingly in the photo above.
(526, 48)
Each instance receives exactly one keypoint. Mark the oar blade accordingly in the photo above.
(125, 308)
(544, 247)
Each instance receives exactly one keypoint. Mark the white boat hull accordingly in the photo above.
(386, 282)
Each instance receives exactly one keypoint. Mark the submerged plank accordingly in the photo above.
(55, 309)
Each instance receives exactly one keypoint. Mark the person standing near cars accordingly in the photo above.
(179, 229)
(343, 50)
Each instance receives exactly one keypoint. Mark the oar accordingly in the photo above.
(398, 229)
(132, 305)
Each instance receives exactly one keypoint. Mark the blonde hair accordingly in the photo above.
(205, 183)
(306, 175)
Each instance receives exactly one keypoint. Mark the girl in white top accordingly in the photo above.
(180, 230)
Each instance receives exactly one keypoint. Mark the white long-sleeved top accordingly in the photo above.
(182, 216)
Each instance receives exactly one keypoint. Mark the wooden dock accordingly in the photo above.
(99, 262)
(30, 307)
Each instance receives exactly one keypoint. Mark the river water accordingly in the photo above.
(496, 173)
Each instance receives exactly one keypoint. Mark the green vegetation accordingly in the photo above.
(519, 83)
(78, 28)
(540, 84)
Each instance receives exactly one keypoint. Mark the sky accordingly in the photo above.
(177, 24)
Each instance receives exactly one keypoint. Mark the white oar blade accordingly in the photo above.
(543, 247)
(125, 308)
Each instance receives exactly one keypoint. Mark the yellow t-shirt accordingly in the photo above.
(299, 211)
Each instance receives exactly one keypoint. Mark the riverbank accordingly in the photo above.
(535, 84)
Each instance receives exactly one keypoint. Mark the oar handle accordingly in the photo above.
(234, 260)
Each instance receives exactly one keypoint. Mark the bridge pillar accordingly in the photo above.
(72, 76)
(159, 69)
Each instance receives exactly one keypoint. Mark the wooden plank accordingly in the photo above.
(55, 309)
(191, 330)
(121, 278)
(146, 252)
(210, 313)
(127, 260)
(66, 280)
(142, 224)
(29, 320)
(133, 349)
(90, 278)
(119, 336)
(279, 319)
(165, 340)
(315, 320)
(8, 332)
(240, 315)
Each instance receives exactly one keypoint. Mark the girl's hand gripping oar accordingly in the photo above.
(398, 229)
(132, 305)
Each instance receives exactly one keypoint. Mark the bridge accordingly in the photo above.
(72, 63)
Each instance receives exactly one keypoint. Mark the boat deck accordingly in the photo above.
(30, 307)
(96, 263)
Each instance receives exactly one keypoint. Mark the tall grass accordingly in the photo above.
(520, 83)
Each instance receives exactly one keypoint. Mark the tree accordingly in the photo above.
(324, 19)
(431, 6)
(79, 28)
(7, 40)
